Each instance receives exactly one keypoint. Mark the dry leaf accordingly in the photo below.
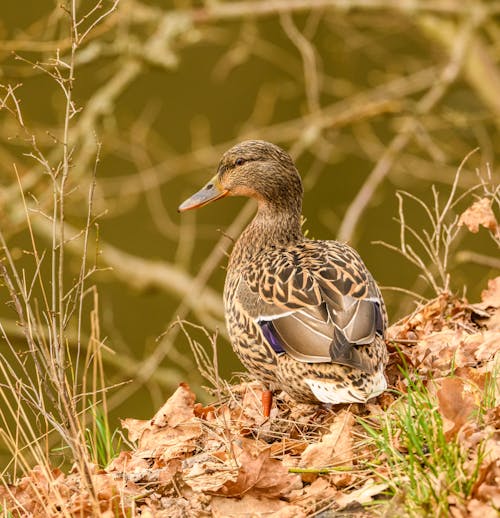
(258, 473)
(178, 409)
(319, 492)
(251, 507)
(491, 295)
(362, 496)
(488, 310)
(172, 432)
(209, 474)
(478, 509)
(473, 375)
(487, 488)
(479, 214)
(127, 462)
(488, 347)
(252, 471)
(440, 352)
(249, 414)
(335, 448)
(456, 403)
(493, 322)
(43, 494)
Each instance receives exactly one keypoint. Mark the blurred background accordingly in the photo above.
(370, 98)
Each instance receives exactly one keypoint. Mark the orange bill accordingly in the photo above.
(212, 191)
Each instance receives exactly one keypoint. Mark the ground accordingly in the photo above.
(428, 446)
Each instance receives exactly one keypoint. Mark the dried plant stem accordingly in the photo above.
(430, 249)
(42, 387)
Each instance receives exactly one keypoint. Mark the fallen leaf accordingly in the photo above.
(436, 351)
(481, 438)
(132, 468)
(209, 474)
(286, 444)
(252, 506)
(491, 295)
(488, 347)
(487, 312)
(478, 509)
(42, 494)
(127, 462)
(489, 490)
(172, 432)
(456, 403)
(448, 349)
(493, 322)
(178, 409)
(249, 413)
(362, 496)
(319, 493)
(473, 375)
(135, 427)
(335, 447)
(258, 473)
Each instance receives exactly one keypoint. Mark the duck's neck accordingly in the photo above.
(271, 226)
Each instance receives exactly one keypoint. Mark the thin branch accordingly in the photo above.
(230, 11)
(309, 59)
(447, 77)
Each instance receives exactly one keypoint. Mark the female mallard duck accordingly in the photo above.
(303, 315)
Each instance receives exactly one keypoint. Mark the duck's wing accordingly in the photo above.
(316, 302)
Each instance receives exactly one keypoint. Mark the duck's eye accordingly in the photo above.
(240, 161)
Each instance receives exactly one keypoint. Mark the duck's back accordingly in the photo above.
(311, 302)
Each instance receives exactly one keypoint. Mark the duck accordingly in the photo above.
(303, 315)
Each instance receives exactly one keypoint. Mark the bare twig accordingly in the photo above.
(448, 76)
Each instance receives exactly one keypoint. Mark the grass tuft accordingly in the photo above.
(102, 444)
(422, 465)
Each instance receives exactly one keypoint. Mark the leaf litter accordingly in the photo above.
(227, 460)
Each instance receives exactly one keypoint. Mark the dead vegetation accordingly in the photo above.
(227, 460)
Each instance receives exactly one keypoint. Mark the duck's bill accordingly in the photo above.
(212, 191)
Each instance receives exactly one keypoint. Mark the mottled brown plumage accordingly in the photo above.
(303, 315)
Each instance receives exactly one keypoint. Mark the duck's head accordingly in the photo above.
(256, 169)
